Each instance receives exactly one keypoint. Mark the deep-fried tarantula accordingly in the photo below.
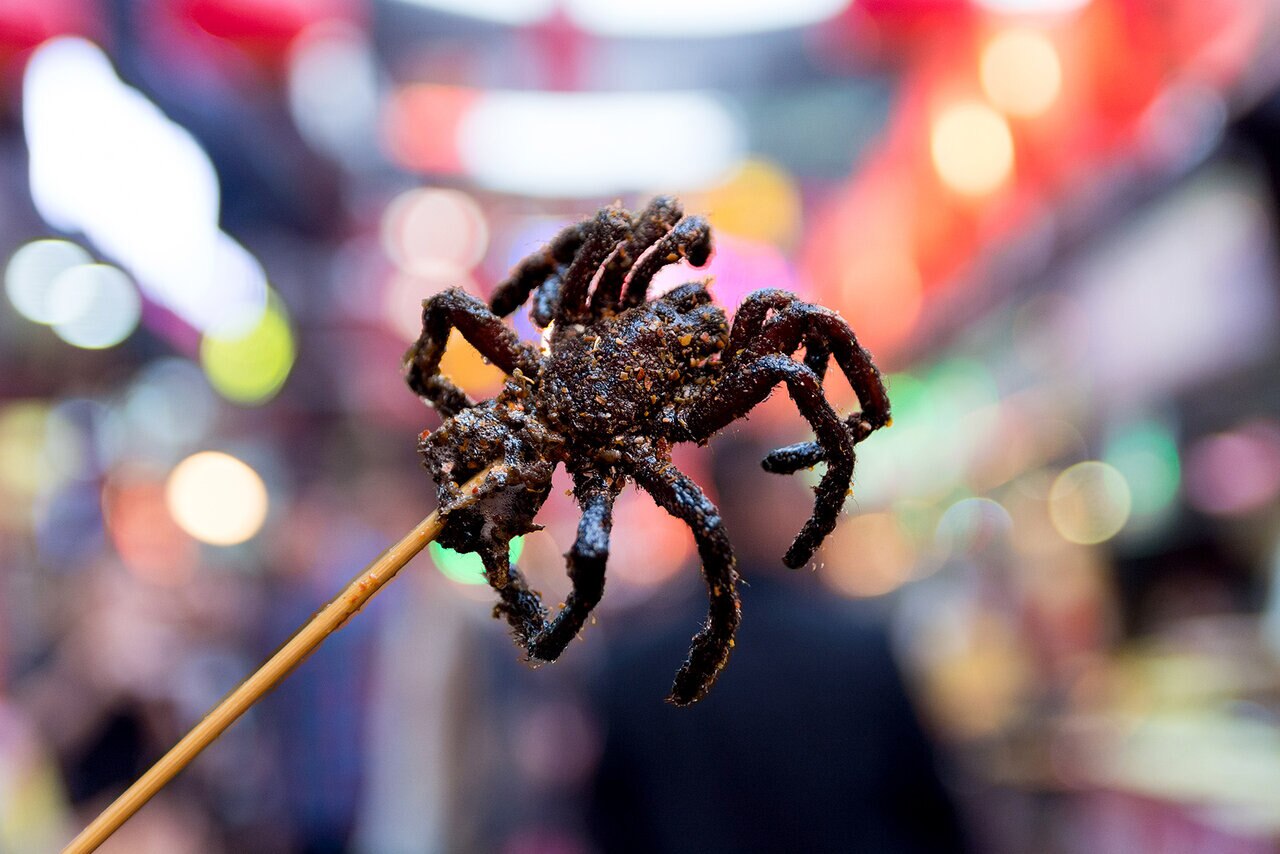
(621, 379)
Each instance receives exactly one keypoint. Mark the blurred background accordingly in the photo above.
(1054, 222)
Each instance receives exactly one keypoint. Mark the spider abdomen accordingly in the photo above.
(622, 374)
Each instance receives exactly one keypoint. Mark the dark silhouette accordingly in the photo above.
(810, 743)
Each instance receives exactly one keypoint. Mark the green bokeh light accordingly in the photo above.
(1146, 453)
(250, 368)
(467, 568)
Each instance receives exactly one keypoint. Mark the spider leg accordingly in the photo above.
(649, 226)
(604, 234)
(824, 333)
(546, 300)
(709, 652)
(530, 273)
(745, 385)
(456, 309)
(690, 238)
(523, 609)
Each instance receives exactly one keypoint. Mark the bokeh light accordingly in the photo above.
(251, 367)
(106, 162)
(972, 148)
(96, 306)
(881, 294)
(467, 567)
(867, 555)
(1089, 502)
(145, 536)
(32, 270)
(404, 293)
(1033, 7)
(38, 452)
(1021, 72)
(649, 546)
(590, 144)
(333, 89)
(760, 202)
(973, 525)
(430, 231)
(1237, 471)
(216, 498)
(168, 409)
(1146, 454)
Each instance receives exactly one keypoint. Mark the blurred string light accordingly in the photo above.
(333, 90)
(1089, 502)
(591, 144)
(655, 19)
(431, 230)
(30, 274)
(1033, 7)
(106, 162)
(216, 498)
(468, 568)
(250, 367)
(511, 12)
(972, 148)
(1237, 471)
(97, 304)
(705, 18)
(1021, 72)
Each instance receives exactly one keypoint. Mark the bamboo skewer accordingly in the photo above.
(361, 589)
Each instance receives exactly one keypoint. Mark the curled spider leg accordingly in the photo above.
(690, 238)
(610, 228)
(741, 389)
(799, 322)
(790, 459)
(523, 609)
(823, 334)
(658, 218)
(709, 652)
(456, 309)
(532, 272)
(546, 300)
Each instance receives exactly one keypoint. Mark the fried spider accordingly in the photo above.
(620, 380)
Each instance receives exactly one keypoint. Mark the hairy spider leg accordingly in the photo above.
(746, 384)
(674, 492)
(530, 273)
(523, 608)
(690, 238)
(823, 334)
(648, 227)
(605, 233)
(457, 309)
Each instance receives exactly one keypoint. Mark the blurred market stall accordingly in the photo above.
(1053, 221)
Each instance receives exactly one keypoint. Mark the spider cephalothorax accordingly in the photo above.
(622, 379)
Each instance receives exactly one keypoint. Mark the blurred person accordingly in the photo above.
(808, 741)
